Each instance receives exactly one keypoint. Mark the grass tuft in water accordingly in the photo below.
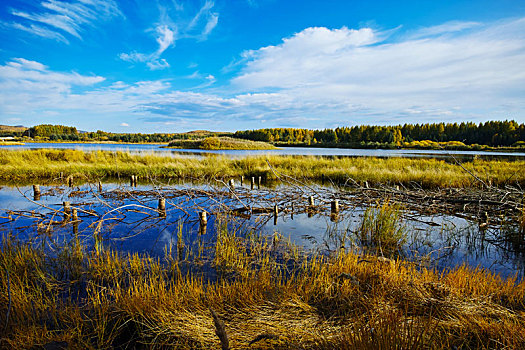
(382, 228)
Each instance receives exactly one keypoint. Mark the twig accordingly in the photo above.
(220, 330)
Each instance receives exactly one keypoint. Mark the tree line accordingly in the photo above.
(69, 133)
(492, 133)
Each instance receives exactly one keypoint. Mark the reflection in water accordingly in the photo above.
(184, 218)
(297, 151)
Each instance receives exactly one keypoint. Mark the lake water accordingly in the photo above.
(125, 218)
(298, 151)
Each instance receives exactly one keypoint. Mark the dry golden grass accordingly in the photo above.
(266, 292)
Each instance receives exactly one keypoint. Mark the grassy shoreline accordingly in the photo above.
(104, 299)
(47, 164)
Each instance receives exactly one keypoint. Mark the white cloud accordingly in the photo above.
(158, 64)
(124, 124)
(203, 12)
(60, 17)
(40, 31)
(28, 85)
(165, 39)
(134, 57)
(477, 69)
(210, 24)
(168, 32)
(449, 27)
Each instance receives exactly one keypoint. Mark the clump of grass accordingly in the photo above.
(382, 227)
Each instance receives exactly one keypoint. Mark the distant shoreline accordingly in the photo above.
(278, 145)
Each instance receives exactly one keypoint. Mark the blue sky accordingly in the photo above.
(173, 65)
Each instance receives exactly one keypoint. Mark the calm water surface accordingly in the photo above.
(300, 151)
(128, 221)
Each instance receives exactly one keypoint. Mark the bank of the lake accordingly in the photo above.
(48, 164)
(259, 299)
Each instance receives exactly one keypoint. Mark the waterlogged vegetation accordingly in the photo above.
(220, 143)
(24, 165)
(127, 265)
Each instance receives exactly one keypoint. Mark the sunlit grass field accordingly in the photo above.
(48, 164)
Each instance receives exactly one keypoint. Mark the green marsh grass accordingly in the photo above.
(382, 228)
(29, 165)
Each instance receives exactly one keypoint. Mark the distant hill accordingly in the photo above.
(16, 128)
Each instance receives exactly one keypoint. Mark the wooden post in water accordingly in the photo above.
(242, 180)
(203, 221)
(232, 183)
(259, 183)
(275, 214)
(67, 210)
(334, 210)
(162, 206)
(293, 209)
(253, 182)
(132, 180)
(311, 204)
(36, 192)
(74, 214)
(334, 206)
(70, 180)
(99, 186)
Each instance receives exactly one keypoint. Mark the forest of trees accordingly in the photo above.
(46, 130)
(69, 133)
(493, 133)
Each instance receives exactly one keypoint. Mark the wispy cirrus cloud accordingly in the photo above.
(206, 18)
(40, 31)
(168, 31)
(54, 19)
(166, 37)
(445, 28)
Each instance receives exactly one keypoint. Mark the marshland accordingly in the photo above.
(105, 249)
